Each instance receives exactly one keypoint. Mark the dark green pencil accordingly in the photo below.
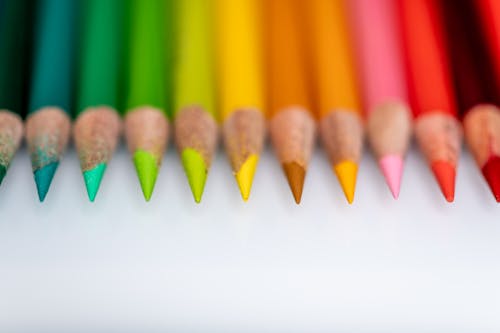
(15, 19)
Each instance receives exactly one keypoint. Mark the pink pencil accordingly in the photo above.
(380, 58)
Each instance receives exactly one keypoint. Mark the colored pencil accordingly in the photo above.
(437, 128)
(97, 125)
(48, 122)
(477, 90)
(292, 124)
(146, 122)
(15, 20)
(489, 11)
(380, 58)
(194, 112)
(340, 122)
(240, 84)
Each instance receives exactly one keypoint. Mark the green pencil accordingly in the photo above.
(48, 123)
(15, 20)
(195, 112)
(146, 123)
(97, 126)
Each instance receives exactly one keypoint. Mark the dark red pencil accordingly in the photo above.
(477, 89)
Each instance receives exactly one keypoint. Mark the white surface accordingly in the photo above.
(413, 265)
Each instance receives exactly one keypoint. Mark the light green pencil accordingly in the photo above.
(146, 122)
(194, 112)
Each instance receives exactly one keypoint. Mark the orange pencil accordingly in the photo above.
(292, 125)
(437, 128)
(340, 121)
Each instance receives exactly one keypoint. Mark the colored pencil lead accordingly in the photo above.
(146, 166)
(445, 173)
(196, 171)
(295, 174)
(392, 168)
(491, 171)
(244, 175)
(43, 178)
(92, 178)
(346, 172)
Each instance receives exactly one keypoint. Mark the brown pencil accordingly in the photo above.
(292, 125)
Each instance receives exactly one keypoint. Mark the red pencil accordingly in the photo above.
(477, 88)
(437, 128)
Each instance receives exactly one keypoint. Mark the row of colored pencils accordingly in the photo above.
(294, 67)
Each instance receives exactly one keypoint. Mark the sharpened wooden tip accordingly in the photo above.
(96, 133)
(47, 135)
(482, 132)
(244, 132)
(389, 130)
(11, 133)
(293, 132)
(196, 140)
(146, 131)
(439, 136)
(295, 175)
(342, 136)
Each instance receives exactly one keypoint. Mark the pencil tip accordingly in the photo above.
(445, 174)
(295, 174)
(491, 171)
(196, 171)
(93, 179)
(43, 179)
(3, 171)
(244, 176)
(346, 173)
(392, 168)
(147, 171)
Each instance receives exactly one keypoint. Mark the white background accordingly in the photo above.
(417, 264)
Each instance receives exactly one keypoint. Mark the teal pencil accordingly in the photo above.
(15, 20)
(48, 123)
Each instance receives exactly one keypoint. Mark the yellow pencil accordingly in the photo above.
(336, 89)
(240, 75)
